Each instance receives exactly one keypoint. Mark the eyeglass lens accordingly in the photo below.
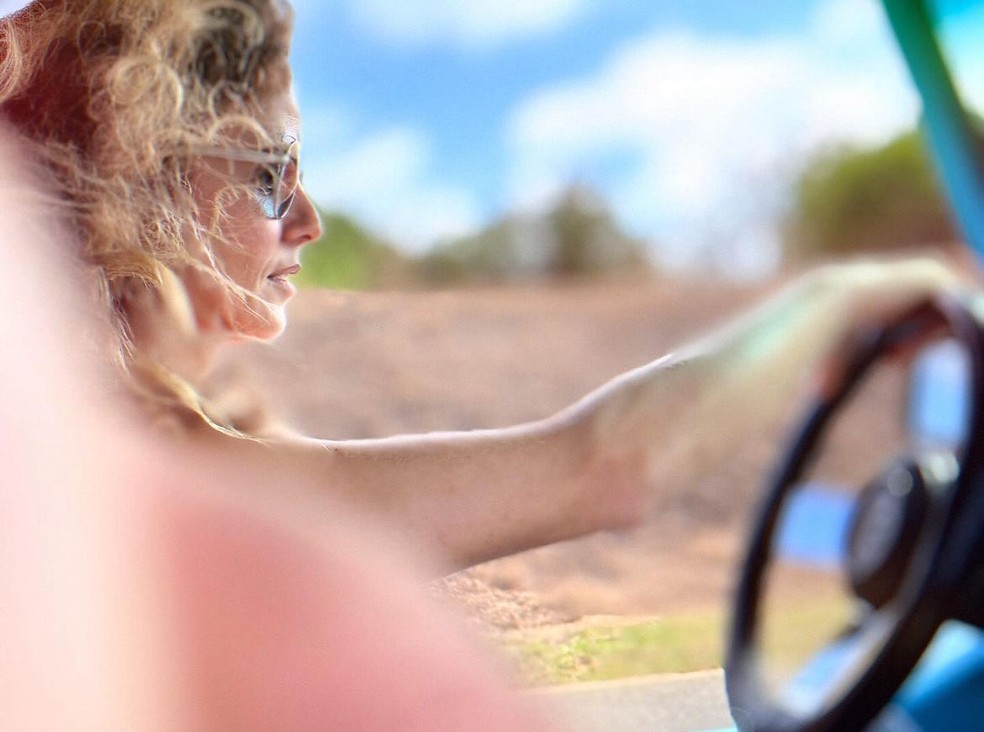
(276, 204)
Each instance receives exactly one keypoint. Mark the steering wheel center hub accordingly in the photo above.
(884, 532)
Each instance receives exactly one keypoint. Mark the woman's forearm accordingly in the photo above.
(477, 495)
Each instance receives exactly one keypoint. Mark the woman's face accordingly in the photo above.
(259, 254)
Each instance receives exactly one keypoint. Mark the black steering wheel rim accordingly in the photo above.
(925, 599)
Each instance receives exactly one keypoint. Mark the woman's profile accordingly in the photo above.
(171, 138)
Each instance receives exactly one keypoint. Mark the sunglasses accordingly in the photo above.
(275, 178)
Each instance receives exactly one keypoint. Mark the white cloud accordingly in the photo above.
(463, 23)
(385, 179)
(711, 123)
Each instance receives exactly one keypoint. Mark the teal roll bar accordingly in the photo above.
(946, 124)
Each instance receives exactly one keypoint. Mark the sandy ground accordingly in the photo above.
(361, 365)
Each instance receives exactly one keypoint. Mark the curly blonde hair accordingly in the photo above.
(113, 94)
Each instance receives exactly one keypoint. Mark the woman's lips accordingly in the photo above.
(279, 280)
(283, 274)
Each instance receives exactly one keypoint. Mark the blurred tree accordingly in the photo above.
(883, 199)
(587, 240)
(492, 255)
(577, 237)
(349, 257)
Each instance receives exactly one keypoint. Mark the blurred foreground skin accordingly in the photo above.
(147, 587)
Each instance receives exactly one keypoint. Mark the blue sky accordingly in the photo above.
(429, 118)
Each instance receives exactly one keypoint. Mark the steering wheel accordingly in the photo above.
(912, 558)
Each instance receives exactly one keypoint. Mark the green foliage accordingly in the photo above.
(587, 240)
(675, 644)
(579, 237)
(348, 257)
(884, 199)
(490, 256)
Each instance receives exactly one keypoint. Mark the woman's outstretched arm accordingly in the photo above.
(487, 493)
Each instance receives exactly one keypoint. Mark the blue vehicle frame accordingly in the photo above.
(948, 128)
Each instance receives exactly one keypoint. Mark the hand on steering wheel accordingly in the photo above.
(912, 539)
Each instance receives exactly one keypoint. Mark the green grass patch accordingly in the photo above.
(674, 644)
(794, 630)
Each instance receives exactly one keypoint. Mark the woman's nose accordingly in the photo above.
(303, 223)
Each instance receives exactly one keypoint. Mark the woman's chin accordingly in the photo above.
(278, 290)
(262, 323)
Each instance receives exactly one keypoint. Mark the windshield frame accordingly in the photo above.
(950, 136)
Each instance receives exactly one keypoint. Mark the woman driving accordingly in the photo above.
(170, 135)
